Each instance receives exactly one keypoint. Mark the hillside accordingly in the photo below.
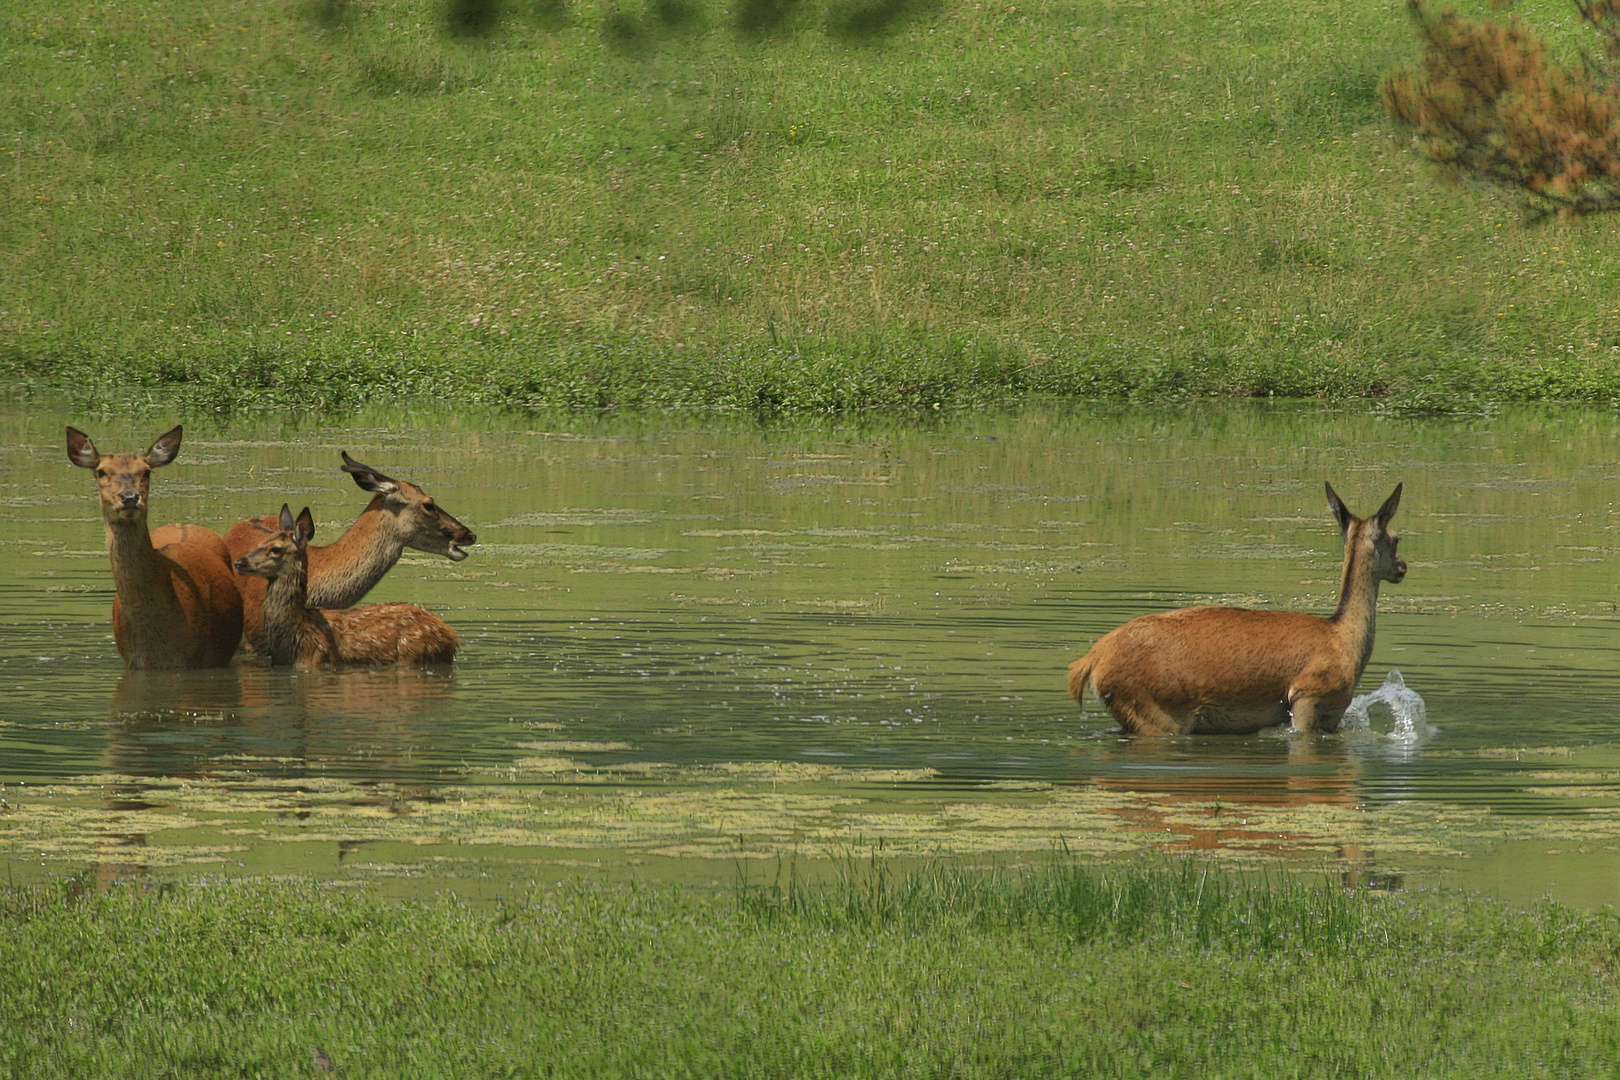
(227, 205)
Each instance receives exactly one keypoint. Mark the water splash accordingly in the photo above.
(1411, 725)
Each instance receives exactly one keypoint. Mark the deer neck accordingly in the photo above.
(358, 559)
(1356, 619)
(140, 574)
(284, 610)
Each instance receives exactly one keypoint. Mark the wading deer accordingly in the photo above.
(400, 516)
(295, 633)
(1230, 670)
(177, 605)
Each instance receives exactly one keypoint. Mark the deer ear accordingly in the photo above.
(306, 527)
(165, 449)
(81, 451)
(1387, 511)
(1341, 512)
(368, 478)
(285, 521)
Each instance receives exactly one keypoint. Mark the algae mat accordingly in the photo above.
(550, 815)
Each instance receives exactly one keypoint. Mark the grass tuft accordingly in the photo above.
(1063, 970)
(1183, 902)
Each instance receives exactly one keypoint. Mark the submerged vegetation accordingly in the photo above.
(768, 207)
(1063, 970)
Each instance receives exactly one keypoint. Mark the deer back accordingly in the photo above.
(380, 634)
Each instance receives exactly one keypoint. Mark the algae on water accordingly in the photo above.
(569, 810)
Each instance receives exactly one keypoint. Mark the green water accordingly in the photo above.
(711, 644)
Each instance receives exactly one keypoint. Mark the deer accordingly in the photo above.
(176, 602)
(399, 516)
(312, 637)
(1221, 670)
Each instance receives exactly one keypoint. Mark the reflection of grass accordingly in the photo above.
(1058, 971)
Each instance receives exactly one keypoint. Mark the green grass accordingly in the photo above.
(319, 203)
(1159, 971)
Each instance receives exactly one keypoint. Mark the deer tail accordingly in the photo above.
(1080, 676)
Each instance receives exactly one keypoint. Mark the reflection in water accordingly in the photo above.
(1284, 770)
(1228, 803)
(271, 721)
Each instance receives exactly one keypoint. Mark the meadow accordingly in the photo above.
(1155, 970)
(319, 204)
(313, 204)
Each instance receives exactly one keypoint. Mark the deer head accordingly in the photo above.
(420, 522)
(1373, 533)
(270, 558)
(122, 480)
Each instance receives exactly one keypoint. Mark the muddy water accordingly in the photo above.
(689, 648)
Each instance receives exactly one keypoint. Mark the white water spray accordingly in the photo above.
(1411, 725)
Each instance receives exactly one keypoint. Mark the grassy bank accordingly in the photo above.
(1164, 972)
(231, 205)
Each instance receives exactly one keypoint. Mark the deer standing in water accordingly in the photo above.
(177, 605)
(296, 633)
(1230, 670)
(401, 515)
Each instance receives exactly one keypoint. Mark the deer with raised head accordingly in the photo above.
(400, 515)
(1231, 670)
(296, 633)
(177, 604)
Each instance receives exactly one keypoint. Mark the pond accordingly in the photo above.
(695, 649)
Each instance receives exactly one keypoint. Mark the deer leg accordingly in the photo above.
(1302, 714)
(1147, 717)
(1311, 713)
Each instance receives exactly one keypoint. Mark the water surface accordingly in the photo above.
(689, 646)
